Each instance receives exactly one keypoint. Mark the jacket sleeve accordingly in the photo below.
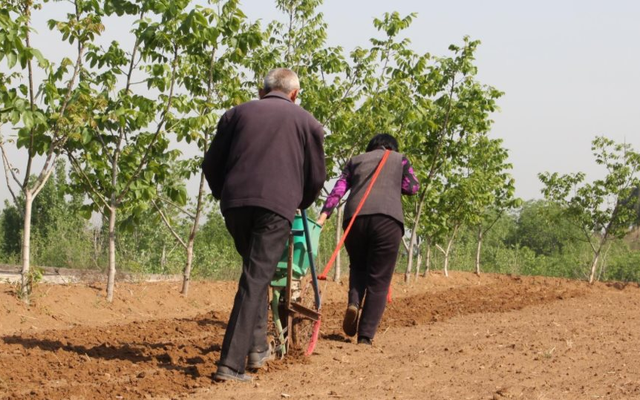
(342, 186)
(215, 160)
(315, 171)
(410, 184)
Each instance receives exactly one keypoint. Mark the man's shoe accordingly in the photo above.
(257, 360)
(364, 340)
(350, 323)
(224, 374)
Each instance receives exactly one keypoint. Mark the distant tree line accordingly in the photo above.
(536, 238)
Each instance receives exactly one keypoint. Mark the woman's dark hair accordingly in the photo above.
(382, 141)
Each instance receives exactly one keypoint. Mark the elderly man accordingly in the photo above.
(266, 161)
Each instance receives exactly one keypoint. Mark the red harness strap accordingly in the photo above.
(323, 275)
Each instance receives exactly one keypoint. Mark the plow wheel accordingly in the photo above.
(305, 322)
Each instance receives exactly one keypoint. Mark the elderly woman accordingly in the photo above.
(374, 239)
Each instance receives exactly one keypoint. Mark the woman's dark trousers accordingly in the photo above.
(372, 245)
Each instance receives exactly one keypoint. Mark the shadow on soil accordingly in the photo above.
(623, 285)
(334, 337)
(103, 351)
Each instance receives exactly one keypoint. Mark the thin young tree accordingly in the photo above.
(603, 209)
(124, 149)
(213, 78)
(456, 105)
(469, 185)
(42, 101)
(493, 188)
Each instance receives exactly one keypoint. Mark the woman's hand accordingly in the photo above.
(321, 220)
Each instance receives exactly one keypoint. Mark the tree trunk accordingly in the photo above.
(25, 287)
(339, 216)
(446, 256)
(427, 265)
(111, 277)
(596, 254)
(97, 248)
(603, 262)
(192, 238)
(478, 249)
(445, 266)
(414, 234)
(594, 265)
(187, 270)
(418, 263)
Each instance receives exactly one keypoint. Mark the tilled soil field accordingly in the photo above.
(456, 337)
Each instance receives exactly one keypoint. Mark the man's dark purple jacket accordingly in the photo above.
(267, 153)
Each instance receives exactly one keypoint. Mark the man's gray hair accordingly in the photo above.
(281, 79)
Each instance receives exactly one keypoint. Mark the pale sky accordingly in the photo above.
(570, 70)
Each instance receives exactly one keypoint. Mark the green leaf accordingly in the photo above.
(87, 137)
(27, 119)
(85, 211)
(12, 59)
(42, 62)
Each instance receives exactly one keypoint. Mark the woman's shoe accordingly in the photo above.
(350, 323)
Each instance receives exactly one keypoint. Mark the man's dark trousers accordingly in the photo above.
(260, 237)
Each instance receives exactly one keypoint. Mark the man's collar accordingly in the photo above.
(278, 94)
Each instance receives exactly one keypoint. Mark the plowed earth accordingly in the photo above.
(456, 337)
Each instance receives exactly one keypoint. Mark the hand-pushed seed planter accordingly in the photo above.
(295, 301)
